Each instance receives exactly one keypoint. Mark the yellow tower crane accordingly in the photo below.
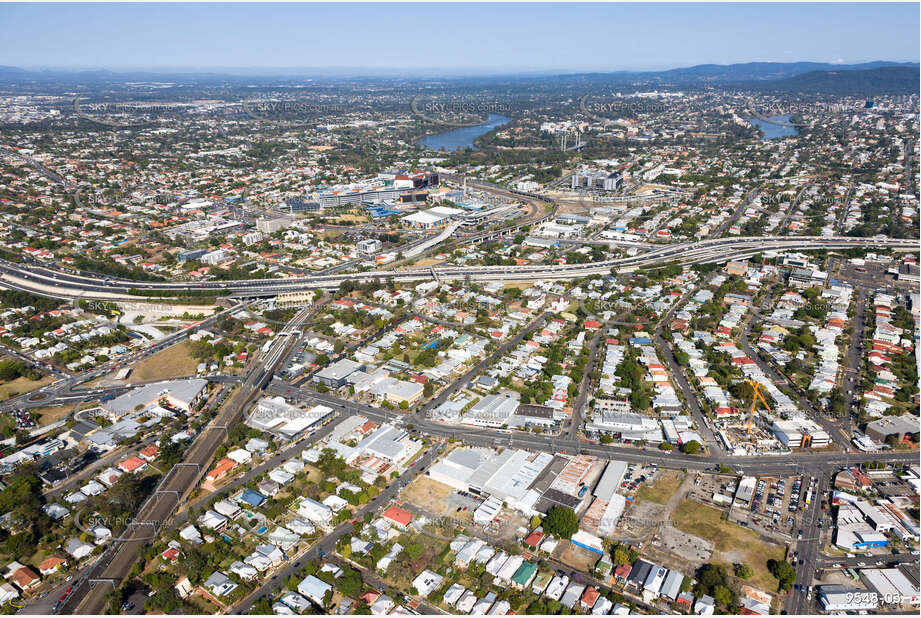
(756, 396)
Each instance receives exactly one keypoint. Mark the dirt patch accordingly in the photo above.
(577, 557)
(17, 387)
(733, 543)
(313, 474)
(688, 546)
(174, 362)
(663, 489)
(46, 416)
(426, 262)
(428, 494)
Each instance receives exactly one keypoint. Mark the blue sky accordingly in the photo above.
(451, 37)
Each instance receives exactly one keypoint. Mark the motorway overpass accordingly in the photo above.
(56, 282)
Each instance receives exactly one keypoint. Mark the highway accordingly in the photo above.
(48, 281)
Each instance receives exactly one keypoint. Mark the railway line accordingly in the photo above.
(90, 593)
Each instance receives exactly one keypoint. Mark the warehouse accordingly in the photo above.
(898, 426)
(179, 394)
(891, 585)
(456, 469)
(334, 376)
(274, 415)
(492, 411)
(507, 476)
(431, 218)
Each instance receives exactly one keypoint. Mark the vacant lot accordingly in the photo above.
(577, 557)
(664, 488)
(20, 385)
(733, 543)
(47, 416)
(173, 362)
(428, 494)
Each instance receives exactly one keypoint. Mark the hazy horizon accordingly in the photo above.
(448, 39)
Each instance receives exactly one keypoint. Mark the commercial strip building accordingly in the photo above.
(800, 433)
(274, 415)
(179, 394)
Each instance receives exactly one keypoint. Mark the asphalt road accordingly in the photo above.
(807, 549)
(768, 465)
(677, 372)
(778, 378)
(89, 594)
(327, 544)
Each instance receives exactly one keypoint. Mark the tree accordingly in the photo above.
(709, 577)
(744, 571)
(262, 606)
(783, 571)
(561, 521)
(691, 447)
(621, 555)
(349, 583)
(722, 595)
(428, 390)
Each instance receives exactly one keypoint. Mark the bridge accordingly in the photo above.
(58, 283)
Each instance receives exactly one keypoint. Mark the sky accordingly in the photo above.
(451, 38)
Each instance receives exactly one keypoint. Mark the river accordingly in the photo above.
(462, 137)
(774, 131)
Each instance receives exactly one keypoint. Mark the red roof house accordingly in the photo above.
(398, 516)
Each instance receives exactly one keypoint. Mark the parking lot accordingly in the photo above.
(638, 475)
(775, 506)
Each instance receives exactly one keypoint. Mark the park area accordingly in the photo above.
(733, 544)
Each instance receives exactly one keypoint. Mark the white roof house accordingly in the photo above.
(427, 582)
(314, 588)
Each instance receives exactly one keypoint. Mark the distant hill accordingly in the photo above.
(762, 76)
(765, 70)
(886, 80)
